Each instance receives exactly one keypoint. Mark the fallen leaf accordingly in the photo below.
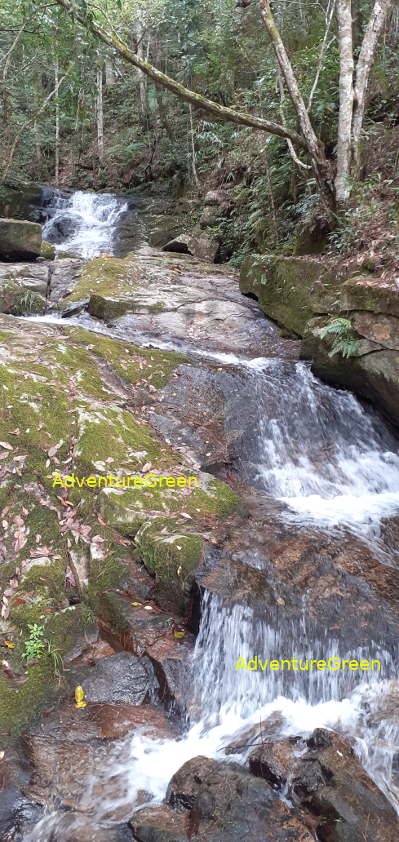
(6, 445)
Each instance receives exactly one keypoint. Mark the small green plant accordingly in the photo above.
(34, 645)
(345, 341)
(56, 657)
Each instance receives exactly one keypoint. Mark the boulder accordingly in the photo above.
(214, 801)
(225, 804)
(20, 240)
(64, 274)
(16, 300)
(63, 228)
(116, 679)
(23, 288)
(296, 291)
(323, 776)
(198, 245)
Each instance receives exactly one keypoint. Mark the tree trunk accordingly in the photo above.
(143, 88)
(315, 149)
(193, 155)
(109, 73)
(346, 97)
(365, 61)
(57, 126)
(100, 116)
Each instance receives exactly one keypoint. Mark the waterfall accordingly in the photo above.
(328, 462)
(84, 223)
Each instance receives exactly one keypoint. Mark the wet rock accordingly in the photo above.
(17, 815)
(19, 240)
(329, 782)
(73, 827)
(76, 308)
(178, 299)
(225, 804)
(335, 573)
(63, 228)
(71, 751)
(117, 679)
(137, 626)
(275, 760)
(116, 721)
(256, 735)
(64, 274)
(171, 659)
(159, 824)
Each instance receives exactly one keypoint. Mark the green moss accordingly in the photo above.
(105, 308)
(47, 250)
(130, 362)
(20, 705)
(170, 555)
(106, 277)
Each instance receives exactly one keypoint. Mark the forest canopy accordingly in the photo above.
(128, 84)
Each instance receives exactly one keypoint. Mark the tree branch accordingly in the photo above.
(220, 112)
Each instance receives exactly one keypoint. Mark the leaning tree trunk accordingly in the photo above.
(365, 61)
(346, 97)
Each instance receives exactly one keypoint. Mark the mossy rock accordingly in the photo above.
(61, 416)
(47, 250)
(20, 704)
(16, 300)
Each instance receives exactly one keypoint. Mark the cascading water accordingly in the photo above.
(320, 452)
(84, 223)
(328, 462)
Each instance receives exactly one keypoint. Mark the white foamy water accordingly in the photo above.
(88, 220)
(321, 452)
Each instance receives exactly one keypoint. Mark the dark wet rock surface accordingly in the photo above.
(221, 802)
(324, 776)
(120, 678)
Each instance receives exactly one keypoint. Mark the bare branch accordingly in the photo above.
(324, 48)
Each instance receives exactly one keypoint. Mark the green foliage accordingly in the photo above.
(34, 645)
(345, 341)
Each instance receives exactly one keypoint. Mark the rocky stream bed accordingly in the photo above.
(136, 360)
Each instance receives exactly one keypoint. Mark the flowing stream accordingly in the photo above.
(329, 463)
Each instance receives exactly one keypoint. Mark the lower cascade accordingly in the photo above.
(319, 476)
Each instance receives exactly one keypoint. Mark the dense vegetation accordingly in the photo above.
(75, 113)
